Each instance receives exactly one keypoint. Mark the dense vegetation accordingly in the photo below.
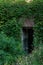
(10, 31)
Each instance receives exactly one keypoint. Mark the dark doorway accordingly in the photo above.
(28, 39)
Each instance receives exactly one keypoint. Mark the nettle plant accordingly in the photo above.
(10, 28)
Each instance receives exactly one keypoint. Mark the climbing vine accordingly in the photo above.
(10, 26)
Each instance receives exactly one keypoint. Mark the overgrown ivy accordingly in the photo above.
(10, 26)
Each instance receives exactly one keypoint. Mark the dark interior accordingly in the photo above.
(28, 39)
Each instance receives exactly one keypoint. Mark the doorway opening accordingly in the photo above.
(28, 39)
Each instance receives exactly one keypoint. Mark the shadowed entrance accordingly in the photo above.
(28, 39)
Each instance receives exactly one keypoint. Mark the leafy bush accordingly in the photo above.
(9, 48)
(36, 58)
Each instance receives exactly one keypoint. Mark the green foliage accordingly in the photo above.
(10, 29)
(9, 48)
(36, 58)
